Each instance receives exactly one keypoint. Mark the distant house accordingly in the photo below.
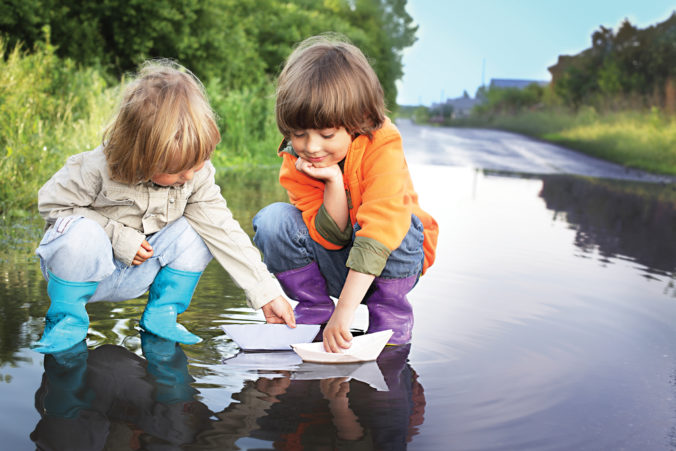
(462, 106)
(453, 108)
(514, 83)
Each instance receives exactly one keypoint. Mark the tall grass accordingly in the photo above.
(247, 123)
(51, 108)
(637, 139)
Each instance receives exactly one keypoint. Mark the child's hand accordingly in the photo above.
(323, 174)
(337, 335)
(279, 311)
(143, 254)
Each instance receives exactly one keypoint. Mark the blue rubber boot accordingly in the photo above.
(170, 295)
(67, 321)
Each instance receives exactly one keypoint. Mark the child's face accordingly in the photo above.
(177, 179)
(322, 148)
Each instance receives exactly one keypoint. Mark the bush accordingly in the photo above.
(49, 109)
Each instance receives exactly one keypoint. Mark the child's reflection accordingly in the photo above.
(110, 398)
(337, 413)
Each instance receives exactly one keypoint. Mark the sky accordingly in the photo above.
(462, 43)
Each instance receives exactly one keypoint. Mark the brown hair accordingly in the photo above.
(328, 82)
(164, 124)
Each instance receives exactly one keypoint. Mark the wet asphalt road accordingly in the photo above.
(507, 152)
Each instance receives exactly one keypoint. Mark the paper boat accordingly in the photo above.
(364, 348)
(270, 337)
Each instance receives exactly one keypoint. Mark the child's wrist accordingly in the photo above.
(343, 308)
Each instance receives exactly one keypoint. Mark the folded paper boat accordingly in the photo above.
(363, 349)
(270, 337)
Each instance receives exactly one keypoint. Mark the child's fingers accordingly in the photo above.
(345, 339)
(337, 342)
(144, 254)
(290, 319)
(288, 316)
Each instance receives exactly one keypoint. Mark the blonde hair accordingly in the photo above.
(328, 82)
(164, 124)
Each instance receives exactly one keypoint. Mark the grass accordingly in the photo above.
(638, 139)
(48, 109)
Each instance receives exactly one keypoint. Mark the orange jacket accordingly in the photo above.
(380, 194)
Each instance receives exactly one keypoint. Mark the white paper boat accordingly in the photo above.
(269, 337)
(364, 348)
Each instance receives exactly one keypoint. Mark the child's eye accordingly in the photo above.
(298, 134)
(329, 136)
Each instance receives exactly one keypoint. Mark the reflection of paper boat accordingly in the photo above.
(367, 372)
(275, 361)
(364, 348)
(270, 337)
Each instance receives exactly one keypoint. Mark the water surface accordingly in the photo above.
(546, 323)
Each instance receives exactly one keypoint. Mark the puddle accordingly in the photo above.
(547, 322)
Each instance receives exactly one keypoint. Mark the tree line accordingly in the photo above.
(630, 67)
(63, 62)
(239, 42)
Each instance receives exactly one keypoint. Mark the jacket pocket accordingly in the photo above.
(111, 200)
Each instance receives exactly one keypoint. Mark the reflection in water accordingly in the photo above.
(544, 324)
(337, 413)
(635, 220)
(110, 398)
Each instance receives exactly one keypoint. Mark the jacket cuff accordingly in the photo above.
(126, 243)
(368, 256)
(330, 231)
(267, 290)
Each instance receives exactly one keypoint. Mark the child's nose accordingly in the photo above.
(314, 144)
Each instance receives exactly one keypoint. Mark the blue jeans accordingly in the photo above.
(284, 240)
(77, 249)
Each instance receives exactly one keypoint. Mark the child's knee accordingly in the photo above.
(76, 249)
(73, 236)
(195, 258)
(276, 221)
(186, 250)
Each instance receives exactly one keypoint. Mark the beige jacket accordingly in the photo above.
(128, 213)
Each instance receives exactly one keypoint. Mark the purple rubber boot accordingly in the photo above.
(389, 308)
(307, 286)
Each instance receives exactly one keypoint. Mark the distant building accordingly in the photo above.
(502, 83)
(462, 106)
(453, 108)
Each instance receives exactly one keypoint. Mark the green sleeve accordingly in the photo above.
(368, 256)
(330, 231)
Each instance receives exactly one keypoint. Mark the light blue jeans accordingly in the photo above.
(77, 249)
(284, 240)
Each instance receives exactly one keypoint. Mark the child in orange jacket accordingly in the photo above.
(355, 229)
